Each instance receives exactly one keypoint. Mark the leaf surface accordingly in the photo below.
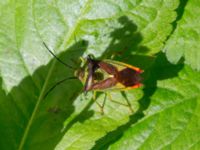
(172, 119)
(70, 28)
(184, 43)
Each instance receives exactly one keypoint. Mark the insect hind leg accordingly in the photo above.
(128, 104)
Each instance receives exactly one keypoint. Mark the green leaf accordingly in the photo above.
(172, 119)
(83, 134)
(70, 28)
(184, 43)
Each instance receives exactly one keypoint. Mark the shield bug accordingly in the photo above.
(103, 75)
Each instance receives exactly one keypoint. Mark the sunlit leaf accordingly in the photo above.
(129, 31)
(184, 43)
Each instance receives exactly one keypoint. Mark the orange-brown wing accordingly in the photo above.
(107, 67)
(104, 84)
(128, 76)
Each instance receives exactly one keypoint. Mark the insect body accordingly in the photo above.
(103, 75)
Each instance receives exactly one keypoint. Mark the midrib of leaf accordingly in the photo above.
(67, 37)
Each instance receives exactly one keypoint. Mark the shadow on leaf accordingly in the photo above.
(34, 119)
(125, 40)
(160, 70)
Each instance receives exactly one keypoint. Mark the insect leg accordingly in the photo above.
(126, 105)
(127, 101)
(101, 106)
(111, 99)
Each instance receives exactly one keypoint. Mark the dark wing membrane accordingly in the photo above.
(129, 77)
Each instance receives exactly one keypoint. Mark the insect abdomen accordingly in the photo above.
(128, 77)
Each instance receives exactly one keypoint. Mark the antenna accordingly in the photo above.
(59, 82)
(58, 59)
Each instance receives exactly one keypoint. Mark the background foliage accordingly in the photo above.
(161, 37)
